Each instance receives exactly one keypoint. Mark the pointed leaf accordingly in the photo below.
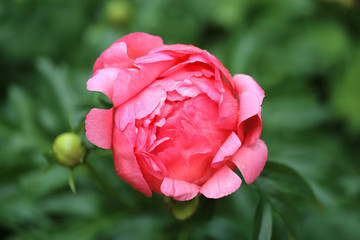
(263, 221)
(287, 180)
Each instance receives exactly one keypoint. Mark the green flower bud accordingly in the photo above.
(182, 210)
(68, 149)
(117, 12)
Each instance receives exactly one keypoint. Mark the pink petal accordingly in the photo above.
(152, 170)
(250, 98)
(229, 147)
(206, 86)
(98, 126)
(250, 105)
(218, 65)
(140, 106)
(228, 111)
(131, 81)
(250, 130)
(115, 56)
(103, 81)
(126, 165)
(251, 160)
(153, 57)
(245, 83)
(179, 49)
(139, 44)
(178, 189)
(222, 183)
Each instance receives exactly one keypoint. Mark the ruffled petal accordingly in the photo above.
(131, 81)
(206, 86)
(250, 130)
(228, 111)
(151, 58)
(200, 69)
(251, 160)
(139, 107)
(115, 56)
(178, 189)
(103, 81)
(126, 165)
(218, 65)
(250, 105)
(245, 83)
(179, 49)
(221, 184)
(250, 99)
(98, 126)
(229, 147)
(140, 44)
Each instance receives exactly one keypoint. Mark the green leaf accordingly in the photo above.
(287, 180)
(263, 221)
(285, 191)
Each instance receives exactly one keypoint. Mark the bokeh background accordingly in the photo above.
(304, 53)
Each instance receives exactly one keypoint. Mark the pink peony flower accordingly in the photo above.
(180, 123)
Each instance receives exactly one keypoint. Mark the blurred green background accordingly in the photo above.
(304, 53)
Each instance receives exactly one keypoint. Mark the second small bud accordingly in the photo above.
(68, 149)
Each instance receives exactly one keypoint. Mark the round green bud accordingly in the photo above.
(117, 12)
(182, 209)
(68, 149)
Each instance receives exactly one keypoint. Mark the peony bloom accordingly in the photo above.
(180, 124)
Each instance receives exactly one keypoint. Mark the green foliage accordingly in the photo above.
(263, 222)
(304, 53)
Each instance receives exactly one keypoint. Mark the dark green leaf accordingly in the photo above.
(286, 180)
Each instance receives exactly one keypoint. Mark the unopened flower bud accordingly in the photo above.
(68, 149)
(183, 209)
(118, 12)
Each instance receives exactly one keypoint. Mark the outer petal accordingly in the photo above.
(245, 83)
(250, 105)
(178, 189)
(229, 147)
(126, 165)
(222, 183)
(218, 65)
(228, 111)
(103, 81)
(115, 56)
(250, 130)
(131, 81)
(250, 98)
(98, 126)
(139, 44)
(179, 49)
(251, 160)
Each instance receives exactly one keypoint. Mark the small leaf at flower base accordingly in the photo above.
(183, 209)
(72, 183)
(263, 221)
